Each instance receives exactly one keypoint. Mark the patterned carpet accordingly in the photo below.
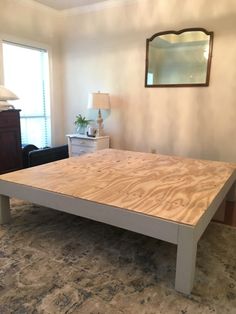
(52, 262)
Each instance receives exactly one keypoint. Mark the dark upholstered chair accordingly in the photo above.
(32, 156)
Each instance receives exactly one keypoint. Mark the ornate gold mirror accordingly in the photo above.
(179, 58)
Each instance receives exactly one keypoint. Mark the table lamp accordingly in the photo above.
(99, 101)
(6, 94)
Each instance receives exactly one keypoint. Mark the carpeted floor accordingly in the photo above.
(51, 262)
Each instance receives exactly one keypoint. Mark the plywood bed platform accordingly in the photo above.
(165, 197)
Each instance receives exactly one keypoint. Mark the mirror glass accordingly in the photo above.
(181, 58)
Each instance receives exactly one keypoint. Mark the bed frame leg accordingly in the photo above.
(186, 260)
(5, 214)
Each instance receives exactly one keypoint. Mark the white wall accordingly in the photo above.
(105, 50)
(28, 22)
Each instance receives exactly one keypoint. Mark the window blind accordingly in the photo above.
(26, 72)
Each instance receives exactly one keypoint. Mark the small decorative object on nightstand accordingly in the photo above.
(99, 101)
(81, 123)
(81, 144)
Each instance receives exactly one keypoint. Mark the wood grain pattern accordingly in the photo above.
(168, 187)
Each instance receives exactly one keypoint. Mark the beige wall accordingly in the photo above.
(105, 50)
(26, 22)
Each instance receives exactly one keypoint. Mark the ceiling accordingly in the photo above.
(67, 4)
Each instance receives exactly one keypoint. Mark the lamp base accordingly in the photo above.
(5, 106)
(100, 124)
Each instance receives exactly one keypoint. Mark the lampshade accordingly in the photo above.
(6, 94)
(99, 101)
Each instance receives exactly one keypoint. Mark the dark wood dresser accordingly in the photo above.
(10, 141)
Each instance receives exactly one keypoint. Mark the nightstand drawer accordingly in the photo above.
(83, 142)
(78, 150)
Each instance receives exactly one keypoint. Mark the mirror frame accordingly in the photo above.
(196, 29)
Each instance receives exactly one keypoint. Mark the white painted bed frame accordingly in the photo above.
(186, 237)
(93, 182)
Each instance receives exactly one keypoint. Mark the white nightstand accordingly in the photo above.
(81, 144)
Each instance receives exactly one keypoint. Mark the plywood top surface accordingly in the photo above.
(168, 187)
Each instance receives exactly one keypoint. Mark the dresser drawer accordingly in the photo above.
(10, 141)
(83, 142)
(9, 120)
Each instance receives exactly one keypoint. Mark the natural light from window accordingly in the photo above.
(26, 73)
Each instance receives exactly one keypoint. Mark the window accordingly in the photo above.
(26, 73)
